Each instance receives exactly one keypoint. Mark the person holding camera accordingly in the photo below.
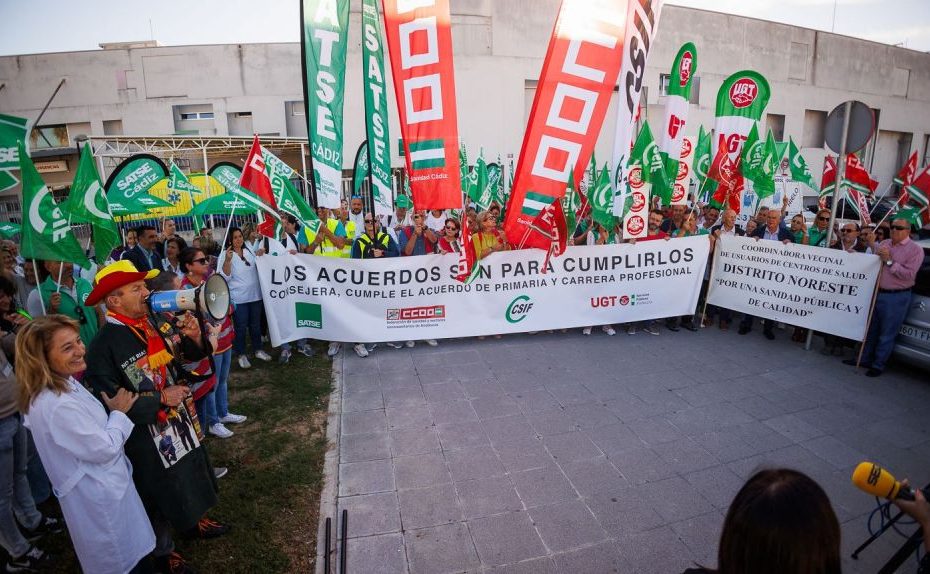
(135, 351)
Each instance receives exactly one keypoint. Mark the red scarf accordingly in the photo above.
(156, 353)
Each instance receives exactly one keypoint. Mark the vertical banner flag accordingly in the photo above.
(701, 164)
(646, 170)
(376, 111)
(88, 204)
(360, 171)
(741, 100)
(46, 233)
(682, 179)
(677, 103)
(642, 22)
(128, 185)
(574, 89)
(323, 42)
(177, 184)
(419, 40)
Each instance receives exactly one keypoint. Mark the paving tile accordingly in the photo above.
(405, 442)
(566, 525)
(718, 485)
(622, 512)
(366, 477)
(793, 428)
(383, 554)
(371, 514)
(487, 496)
(535, 400)
(429, 506)
(591, 416)
(420, 471)
(399, 379)
(684, 455)
(363, 422)
(508, 429)
(571, 394)
(548, 423)
(472, 463)
(601, 558)
(615, 439)
(462, 435)
(403, 397)
(540, 486)
(655, 430)
(506, 538)
(442, 392)
(523, 455)
(641, 465)
(591, 476)
(482, 389)
(535, 566)
(674, 499)
(363, 401)
(701, 534)
(355, 448)
(417, 416)
(440, 549)
(571, 446)
(452, 412)
(657, 551)
(834, 451)
(494, 407)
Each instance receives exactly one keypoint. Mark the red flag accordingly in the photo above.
(549, 226)
(255, 180)
(908, 171)
(468, 259)
(828, 181)
(729, 180)
(919, 189)
(857, 176)
(720, 159)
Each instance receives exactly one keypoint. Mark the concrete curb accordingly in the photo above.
(330, 493)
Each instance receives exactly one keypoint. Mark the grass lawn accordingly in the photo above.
(275, 460)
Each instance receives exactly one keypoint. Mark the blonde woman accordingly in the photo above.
(489, 238)
(82, 447)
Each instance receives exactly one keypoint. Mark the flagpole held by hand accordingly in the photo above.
(35, 270)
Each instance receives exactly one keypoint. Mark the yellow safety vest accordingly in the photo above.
(365, 241)
(350, 238)
(327, 248)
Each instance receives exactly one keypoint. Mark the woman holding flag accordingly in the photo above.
(489, 239)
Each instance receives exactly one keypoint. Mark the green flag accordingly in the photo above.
(799, 170)
(463, 169)
(178, 183)
(571, 203)
(601, 198)
(7, 180)
(88, 204)
(701, 157)
(646, 156)
(911, 214)
(483, 192)
(46, 231)
(324, 39)
(12, 133)
(9, 230)
(764, 186)
(360, 172)
(752, 152)
(376, 109)
(286, 195)
(496, 182)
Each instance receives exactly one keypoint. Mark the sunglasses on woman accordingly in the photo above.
(202, 261)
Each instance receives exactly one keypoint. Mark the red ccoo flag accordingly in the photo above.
(255, 181)
(468, 258)
(550, 226)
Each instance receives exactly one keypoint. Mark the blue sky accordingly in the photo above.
(56, 25)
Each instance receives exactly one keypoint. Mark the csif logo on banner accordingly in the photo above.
(518, 309)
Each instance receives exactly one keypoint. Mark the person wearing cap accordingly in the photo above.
(401, 218)
(135, 352)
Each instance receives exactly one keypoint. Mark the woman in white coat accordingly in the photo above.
(82, 448)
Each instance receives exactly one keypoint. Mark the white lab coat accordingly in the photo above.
(81, 448)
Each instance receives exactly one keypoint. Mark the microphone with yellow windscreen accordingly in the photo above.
(875, 480)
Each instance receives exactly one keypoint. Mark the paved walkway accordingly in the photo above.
(564, 453)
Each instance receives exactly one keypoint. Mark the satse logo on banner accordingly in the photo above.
(309, 315)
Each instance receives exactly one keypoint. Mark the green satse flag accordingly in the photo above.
(646, 155)
(7, 180)
(360, 172)
(799, 170)
(601, 199)
(752, 152)
(496, 182)
(12, 133)
(376, 109)
(483, 189)
(46, 232)
(324, 39)
(290, 201)
(463, 169)
(88, 204)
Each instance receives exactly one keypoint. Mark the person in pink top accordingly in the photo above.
(901, 259)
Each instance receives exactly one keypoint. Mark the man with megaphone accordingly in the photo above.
(134, 351)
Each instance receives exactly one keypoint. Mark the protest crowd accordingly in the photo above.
(102, 387)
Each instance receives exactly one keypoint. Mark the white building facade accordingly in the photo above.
(499, 45)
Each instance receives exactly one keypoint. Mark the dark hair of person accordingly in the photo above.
(179, 242)
(289, 218)
(7, 286)
(229, 236)
(780, 521)
(458, 225)
(187, 256)
(164, 281)
(140, 231)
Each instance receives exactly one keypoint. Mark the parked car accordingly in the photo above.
(913, 342)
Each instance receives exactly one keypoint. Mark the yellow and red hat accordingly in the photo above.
(114, 276)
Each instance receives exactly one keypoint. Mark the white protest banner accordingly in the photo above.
(827, 290)
(409, 298)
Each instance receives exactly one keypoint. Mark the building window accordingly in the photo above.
(295, 108)
(776, 123)
(197, 116)
(664, 80)
(815, 122)
(48, 137)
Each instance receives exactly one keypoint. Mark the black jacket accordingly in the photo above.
(140, 260)
(783, 233)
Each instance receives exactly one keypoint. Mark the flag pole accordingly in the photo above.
(35, 271)
(879, 200)
(891, 210)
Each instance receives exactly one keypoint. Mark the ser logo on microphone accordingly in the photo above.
(874, 474)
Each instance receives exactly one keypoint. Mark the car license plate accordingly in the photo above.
(915, 333)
